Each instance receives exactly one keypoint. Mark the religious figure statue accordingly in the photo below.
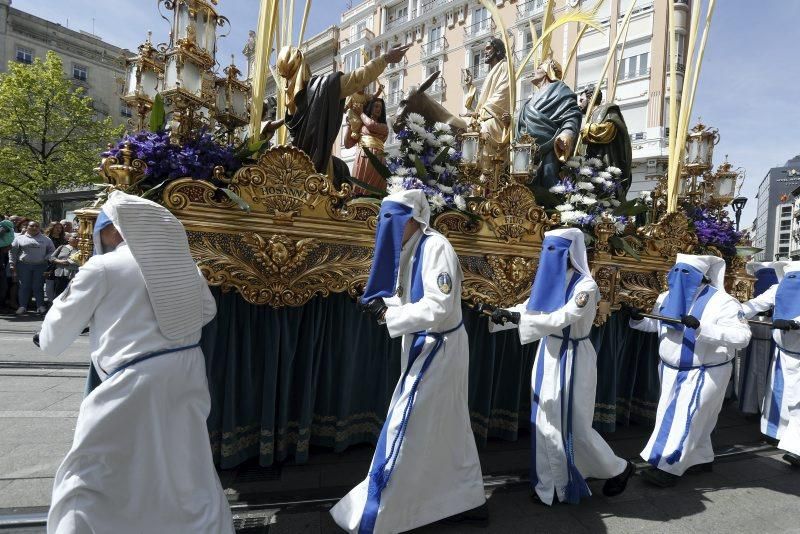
(606, 137)
(355, 108)
(373, 132)
(552, 117)
(493, 111)
(315, 103)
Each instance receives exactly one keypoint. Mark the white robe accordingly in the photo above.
(140, 460)
(593, 456)
(782, 399)
(755, 369)
(437, 473)
(723, 329)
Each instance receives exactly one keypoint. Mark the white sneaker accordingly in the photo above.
(21, 310)
(41, 310)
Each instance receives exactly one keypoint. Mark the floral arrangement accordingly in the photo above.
(166, 160)
(427, 159)
(714, 231)
(587, 192)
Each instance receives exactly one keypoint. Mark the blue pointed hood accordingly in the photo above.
(787, 299)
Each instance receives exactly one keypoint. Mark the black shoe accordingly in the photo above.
(793, 459)
(660, 478)
(771, 441)
(701, 468)
(477, 516)
(615, 486)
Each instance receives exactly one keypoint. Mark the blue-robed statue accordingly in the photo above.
(552, 117)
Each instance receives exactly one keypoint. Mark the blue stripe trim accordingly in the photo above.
(535, 399)
(774, 417)
(149, 356)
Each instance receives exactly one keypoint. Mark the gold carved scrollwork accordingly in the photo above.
(640, 289)
(278, 270)
(497, 280)
(513, 213)
(669, 236)
(457, 222)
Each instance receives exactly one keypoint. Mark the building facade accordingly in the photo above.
(774, 216)
(90, 62)
(449, 36)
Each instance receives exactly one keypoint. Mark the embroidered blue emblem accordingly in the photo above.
(445, 283)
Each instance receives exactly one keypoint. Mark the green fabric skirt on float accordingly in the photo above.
(284, 379)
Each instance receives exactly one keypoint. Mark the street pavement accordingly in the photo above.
(751, 492)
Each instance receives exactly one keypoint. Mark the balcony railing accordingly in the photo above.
(478, 72)
(396, 67)
(520, 54)
(427, 5)
(642, 73)
(399, 21)
(364, 34)
(434, 47)
(530, 8)
(479, 29)
(393, 99)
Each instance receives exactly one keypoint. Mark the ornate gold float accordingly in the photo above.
(303, 238)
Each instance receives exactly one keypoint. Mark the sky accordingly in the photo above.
(749, 85)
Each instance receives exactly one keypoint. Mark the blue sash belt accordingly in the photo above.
(789, 352)
(149, 355)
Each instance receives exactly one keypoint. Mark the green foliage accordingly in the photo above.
(382, 169)
(158, 115)
(50, 137)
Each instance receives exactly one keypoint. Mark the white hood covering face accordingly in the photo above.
(416, 200)
(158, 243)
(754, 266)
(577, 249)
(711, 266)
(787, 267)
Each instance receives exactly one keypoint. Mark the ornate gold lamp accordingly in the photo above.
(471, 148)
(231, 103)
(523, 151)
(700, 143)
(143, 77)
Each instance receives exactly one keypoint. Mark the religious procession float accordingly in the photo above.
(285, 238)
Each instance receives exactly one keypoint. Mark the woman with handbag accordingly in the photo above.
(64, 265)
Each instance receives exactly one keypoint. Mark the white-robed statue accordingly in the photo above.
(425, 467)
(140, 460)
(780, 417)
(560, 311)
(755, 362)
(696, 351)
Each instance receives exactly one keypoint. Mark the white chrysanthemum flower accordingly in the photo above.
(416, 146)
(431, 183)
(589, 201)
(395, 180)
(605, 174)
(567, 217)
(417, 129)
(437, 202)
(605, 203)
(608, 183)
(401, 171)
(447, 139)
(594, 162)
(451, 151)
(460, 202)
(586, 171)
(445, 189)
(438, 169)
(560, 188)
(620, 224)
(565, 207)
(615, 202)
(415, 118)
(574, 163)
(578, 214)
(442, 127)
(412, 170)
(393, 152)
(585, 186)
(614, 170)
(644, 195)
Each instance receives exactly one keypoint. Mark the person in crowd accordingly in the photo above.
(140, 460)
(560, 312)
(6, 238)
(68, 228)
(425, 467)
(697, 349)
(64, 265)
(55, 231)
(780, 416)
(28, 259)
(374, 132)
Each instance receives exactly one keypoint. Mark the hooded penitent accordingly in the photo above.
(158, 243)
(396, 210)
(767, 274)
(787, 299)
(560, 249)
(684, 280)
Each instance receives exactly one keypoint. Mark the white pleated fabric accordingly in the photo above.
(160, 247)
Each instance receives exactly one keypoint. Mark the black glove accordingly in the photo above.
(785, 324)
(376, 307)
(501, 316)
(36, 339)
(635, 313)
(690, 321)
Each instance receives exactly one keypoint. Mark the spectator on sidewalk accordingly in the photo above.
(28, 260)
(64, 265)
(68, 227)
(6, 238)
(55, 231)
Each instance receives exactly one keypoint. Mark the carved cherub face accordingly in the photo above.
(279, 253)
(517, 270)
